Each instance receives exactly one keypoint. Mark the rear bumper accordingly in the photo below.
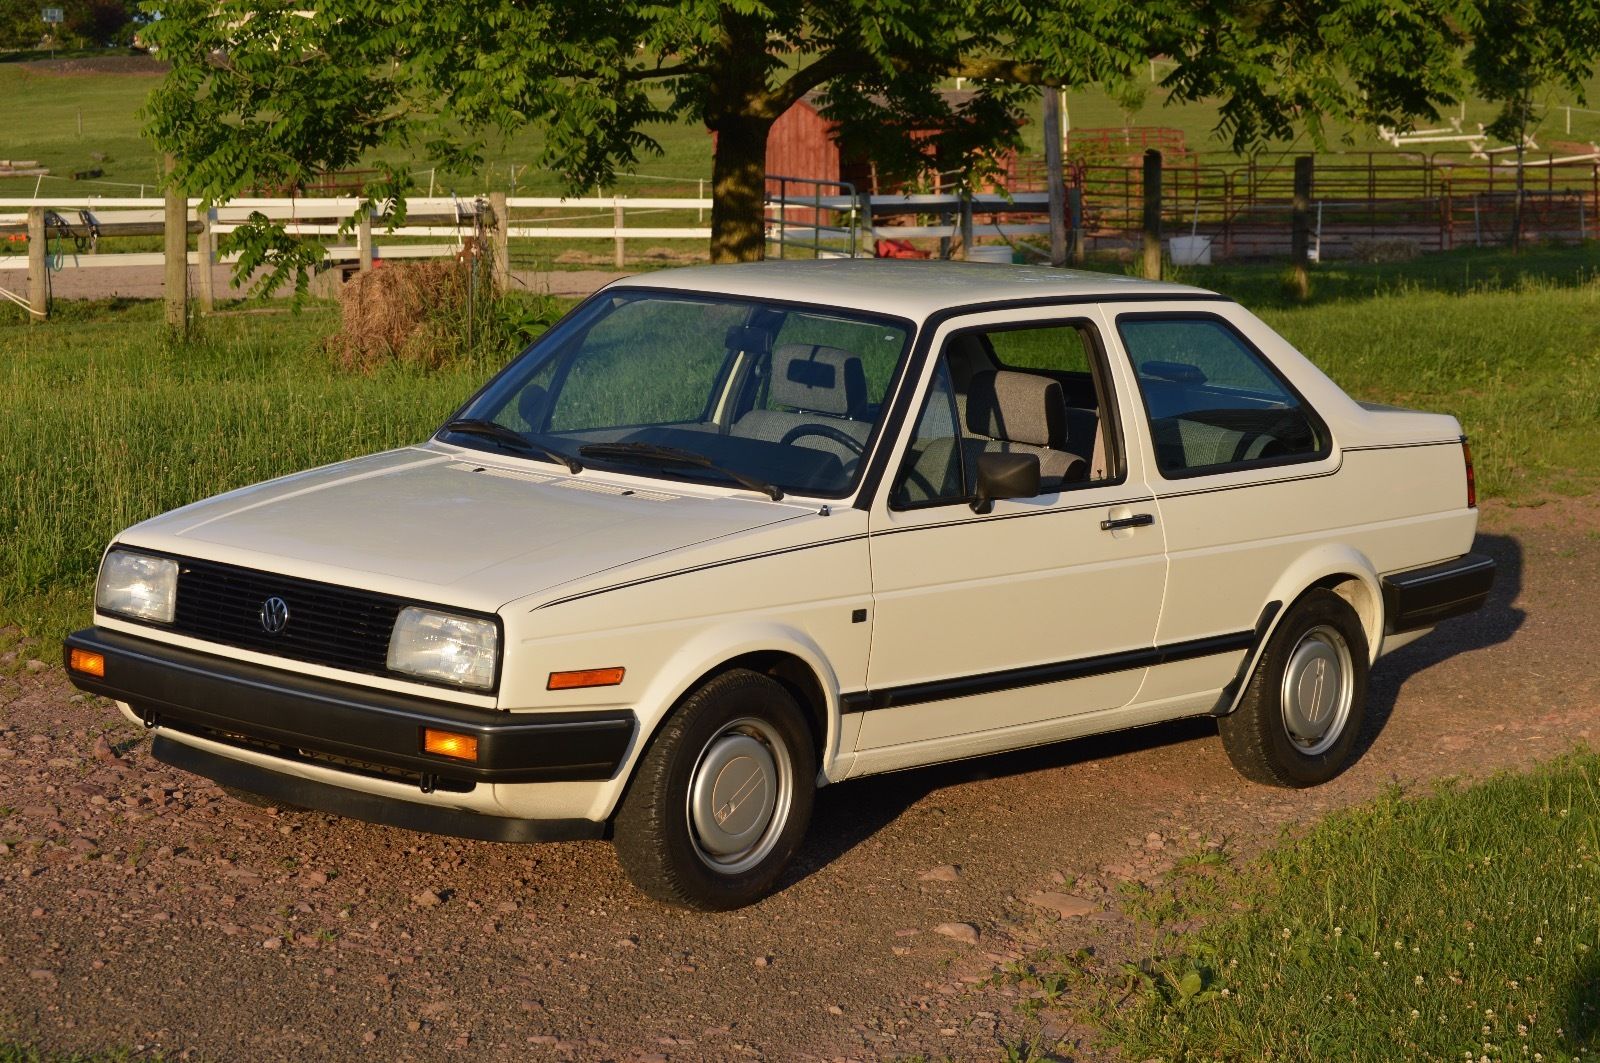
(1421, 597)
(360, 729)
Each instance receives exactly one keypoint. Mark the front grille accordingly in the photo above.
(329, 625)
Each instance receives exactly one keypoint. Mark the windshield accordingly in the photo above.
(684, 386)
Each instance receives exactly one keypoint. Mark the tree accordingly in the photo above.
(1524, 48)
(274, 93)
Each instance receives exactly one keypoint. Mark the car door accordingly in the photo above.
(989, 627)
(1239, 466)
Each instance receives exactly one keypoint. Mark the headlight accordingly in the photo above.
(455, 649)
(137, 585)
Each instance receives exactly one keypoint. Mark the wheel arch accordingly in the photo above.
(786, 654)
(1346, 572)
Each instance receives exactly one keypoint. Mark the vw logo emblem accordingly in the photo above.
(274, 615)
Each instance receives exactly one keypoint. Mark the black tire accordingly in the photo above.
(657, 840)
(1258, 736)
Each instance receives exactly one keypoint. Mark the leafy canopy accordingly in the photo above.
(275, 92)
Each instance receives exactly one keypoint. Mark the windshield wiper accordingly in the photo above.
(474, 426)
(655, 454)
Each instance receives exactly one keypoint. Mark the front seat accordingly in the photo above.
(1020, 413)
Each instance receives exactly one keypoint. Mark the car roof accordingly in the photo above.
(907, 288)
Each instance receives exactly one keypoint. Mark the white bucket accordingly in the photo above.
(990, 253)
(1191, 250)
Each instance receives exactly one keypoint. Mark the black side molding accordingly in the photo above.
(1421, 597)
(1037, 675)
(355, 804)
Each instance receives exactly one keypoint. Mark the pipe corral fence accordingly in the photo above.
(1212, 209)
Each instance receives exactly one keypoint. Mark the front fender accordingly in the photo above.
(710, 649)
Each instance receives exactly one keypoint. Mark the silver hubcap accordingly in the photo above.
(1317, 690)
(740, 795)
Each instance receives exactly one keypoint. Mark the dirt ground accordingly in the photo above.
(142, 908)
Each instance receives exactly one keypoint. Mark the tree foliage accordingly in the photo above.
(274, 93)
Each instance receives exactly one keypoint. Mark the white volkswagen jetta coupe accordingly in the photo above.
(724, 535)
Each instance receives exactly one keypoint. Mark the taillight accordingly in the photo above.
(1472, 479)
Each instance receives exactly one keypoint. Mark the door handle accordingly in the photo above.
(1138, 520)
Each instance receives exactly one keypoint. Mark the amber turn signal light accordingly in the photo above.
(88, 663)
(449, 744)
(586, 677)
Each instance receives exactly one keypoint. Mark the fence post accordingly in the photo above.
(1152, 214)
(364, 240)
(38, 267)
(616, 214)
(500, 245)
(966, 223)
(1055, 178)
(1075, 213)
(1300, 242)
(206, 257)
(175, 241)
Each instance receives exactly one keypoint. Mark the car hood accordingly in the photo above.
(471, 530)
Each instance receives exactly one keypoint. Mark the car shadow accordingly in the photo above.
(1496, 622)
(1582, 1024)
(849, 813)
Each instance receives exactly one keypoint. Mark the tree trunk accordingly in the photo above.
(738, 189)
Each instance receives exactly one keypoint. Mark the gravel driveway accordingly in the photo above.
(143, 908)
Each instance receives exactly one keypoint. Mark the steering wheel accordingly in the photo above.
(827, 431)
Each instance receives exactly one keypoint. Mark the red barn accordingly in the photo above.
(802, 144)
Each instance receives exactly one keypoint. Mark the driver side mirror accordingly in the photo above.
(1005, 476)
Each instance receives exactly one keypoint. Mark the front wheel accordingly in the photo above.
(722, 798)
(1302, 715)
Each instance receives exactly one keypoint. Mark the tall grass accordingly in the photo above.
(103, 424)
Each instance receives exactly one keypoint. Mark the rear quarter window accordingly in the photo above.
(1213, 401)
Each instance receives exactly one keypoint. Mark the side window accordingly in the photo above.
(1029, 389)
(1213, 402)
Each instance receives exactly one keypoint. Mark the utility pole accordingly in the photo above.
(1055, 176)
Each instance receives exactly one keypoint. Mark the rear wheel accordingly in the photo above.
(1302, 715)
(722, 798)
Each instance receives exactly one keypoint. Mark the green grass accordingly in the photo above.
(11, 1052)
(1456, 925)
(104, 423)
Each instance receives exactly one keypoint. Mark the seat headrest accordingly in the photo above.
(817, 380)
(1017, 408)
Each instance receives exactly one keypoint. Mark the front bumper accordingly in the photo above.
(1421, 597)
(359, 729)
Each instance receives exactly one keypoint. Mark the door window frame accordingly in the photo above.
(1099, 374)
